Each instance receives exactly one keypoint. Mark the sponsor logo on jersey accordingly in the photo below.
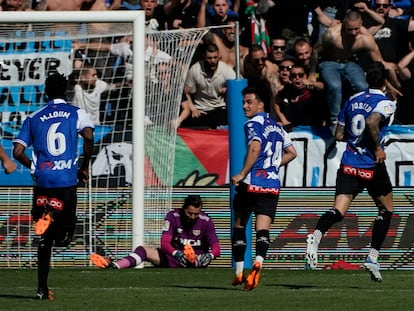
(166, 226)
(192, 242)
(56, 165)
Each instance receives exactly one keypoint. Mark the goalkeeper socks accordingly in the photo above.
(238, 241)
(380, 229)
(328, 219)
(262, 243)
(134, 259)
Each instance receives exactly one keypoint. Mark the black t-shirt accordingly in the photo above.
(392, 39)
(160, 16)
(187, 15)
(405, 107)
(289, 14)
(302, 107)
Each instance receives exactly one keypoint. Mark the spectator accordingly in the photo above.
(303, 52)
(299, 103)
(332, 9)
(284, 72)
(392, 37)
(405, 107)
(336, 10)
(261, 73)
(123, 48)
(289, 18)
(88, 92)
(220, 13)
(155, 15)
(278, 47)
(375, 20)
(188, 240)
(185, 112)
(205, 86)
(164, 79)
(97, 5)
(114, 4)
(130, 5)
(15, 5)
(59, 5)
(182, 14)
(337, 48)
(226, 44)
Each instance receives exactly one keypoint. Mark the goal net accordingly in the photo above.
(134, 104)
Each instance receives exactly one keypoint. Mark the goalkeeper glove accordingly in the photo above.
(181, 258)
(205, 259)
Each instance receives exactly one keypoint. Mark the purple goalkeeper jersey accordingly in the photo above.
(201, 235)
(53, 132)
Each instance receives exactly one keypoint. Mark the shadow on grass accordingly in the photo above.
(205, 287)
(33, 297)
(295, 286)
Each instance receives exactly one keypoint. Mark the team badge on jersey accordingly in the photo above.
(166, 226)
(196, 232)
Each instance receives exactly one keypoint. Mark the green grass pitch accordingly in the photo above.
(206, 289)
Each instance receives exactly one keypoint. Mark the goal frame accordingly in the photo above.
(137, 18)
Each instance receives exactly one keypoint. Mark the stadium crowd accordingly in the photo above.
(309, 58)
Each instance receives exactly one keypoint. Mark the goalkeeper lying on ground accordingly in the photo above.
(188, 240)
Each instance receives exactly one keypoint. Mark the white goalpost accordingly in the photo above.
(132, 168)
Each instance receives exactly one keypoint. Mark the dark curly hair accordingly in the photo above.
(56, 86)
(376, 75)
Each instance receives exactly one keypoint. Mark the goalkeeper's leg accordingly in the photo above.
(134, 259)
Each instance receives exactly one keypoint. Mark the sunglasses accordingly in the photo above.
(382, 5)
(278, 47)
(281, 67)
(297, 75)
(259, 60)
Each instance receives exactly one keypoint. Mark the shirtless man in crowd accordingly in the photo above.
(72, 5)
(337, 49)
(226, 44)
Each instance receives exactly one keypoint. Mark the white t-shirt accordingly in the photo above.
(206, 90)
(90, 101)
